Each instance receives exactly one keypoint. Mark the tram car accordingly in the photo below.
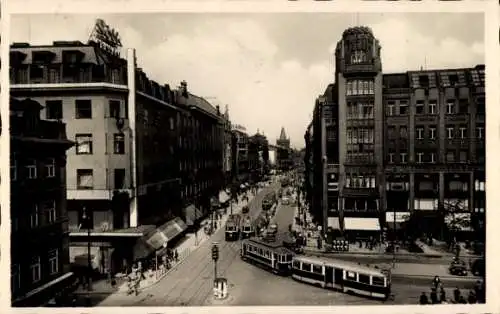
(343, 276)
(268, 254)
(268, 201)
(247, 227)
(233, 227)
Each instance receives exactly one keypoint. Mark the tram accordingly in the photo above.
(268, 201)
(342, 276)
(270, 255)
(247, 228)
(233, 227)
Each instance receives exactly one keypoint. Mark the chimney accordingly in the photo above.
(218, 110)
(184, 90)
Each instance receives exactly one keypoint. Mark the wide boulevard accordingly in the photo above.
(191, 282)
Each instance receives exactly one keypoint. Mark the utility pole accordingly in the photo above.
(215, 257)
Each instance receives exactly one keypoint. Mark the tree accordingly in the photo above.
(454, 218)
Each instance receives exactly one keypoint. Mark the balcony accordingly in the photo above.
(19, 126)
(361, 68)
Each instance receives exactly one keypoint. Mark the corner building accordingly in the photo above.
(144, 152)
(409, 145)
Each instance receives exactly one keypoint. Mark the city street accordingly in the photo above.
(191, 282)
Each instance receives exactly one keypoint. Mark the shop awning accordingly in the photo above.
(401, 218)
(173, 228)
(362, 224)
(78, 255)
(334, 223)
(223, 197)
(192, 214)
(46, 291)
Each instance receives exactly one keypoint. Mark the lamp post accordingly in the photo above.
(86, 219)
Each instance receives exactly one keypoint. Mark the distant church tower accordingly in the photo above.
(283, 156)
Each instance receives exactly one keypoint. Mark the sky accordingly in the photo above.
(267, 67)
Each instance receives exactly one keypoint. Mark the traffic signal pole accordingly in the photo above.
(215, 257)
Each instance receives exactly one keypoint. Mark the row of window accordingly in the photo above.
(360, 135)
(194, 189)
(84, 144)
(360, 110)
(429, 157)
(40, 214)
(32, 167)
(432, 108)
(352, 204)
(360, 182)
(36, 269)
(452, 132)
(83, 109)
(360, 87)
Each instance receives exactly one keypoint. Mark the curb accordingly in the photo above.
(429, 277)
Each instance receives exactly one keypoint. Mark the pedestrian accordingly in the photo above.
(456, 295)
(176, 255)
(423, 299)
(434, 296)
(436, 282)
(442, 295)
(471, 299)
(462, 300)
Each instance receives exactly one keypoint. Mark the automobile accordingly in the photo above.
(285, 201)
(458, 268)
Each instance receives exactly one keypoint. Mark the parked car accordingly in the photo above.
(458, 268)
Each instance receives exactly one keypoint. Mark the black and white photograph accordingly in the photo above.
(247, 159)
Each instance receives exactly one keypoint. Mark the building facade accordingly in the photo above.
(40, 268)
(240, 154)
(227, 153)
(258, 156)
(410, 146)
(283, 155)
(142, 149)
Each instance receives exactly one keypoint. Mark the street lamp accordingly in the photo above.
(86, 219)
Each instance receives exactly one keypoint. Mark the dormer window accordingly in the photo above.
(453, 79)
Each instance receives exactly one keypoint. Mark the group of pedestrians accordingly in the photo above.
(438, 295)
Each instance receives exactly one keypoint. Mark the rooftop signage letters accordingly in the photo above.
(107, 37)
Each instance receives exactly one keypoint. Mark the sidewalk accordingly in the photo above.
(184, 248)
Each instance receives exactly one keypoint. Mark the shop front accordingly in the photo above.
(358, 228)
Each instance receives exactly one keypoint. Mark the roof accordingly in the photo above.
(320, 260)
(90, 53)
(198, 102)
(283, 134)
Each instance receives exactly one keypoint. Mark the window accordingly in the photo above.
(480, 105)
(420, 133)
(402, 157)
(463, 106)
(463, 156)
(85, 179)
(317, 269)
(463, 132)
(119, 178)
(50, 210)
(350, 275)
(306, 267)
(390, 108)
(420, 158)
(358, 57)
(145, 117)
(172, 124)
(391, 158)
(432, 133)
(419, 107)
(378, 281)
(36, 269)
(364, 279)
(31, 168)
(13, 168)
(403, 107)
(449, 131)
(53, 109)
(391, 132)
(450, 107)
(83, 144)
(119, 144)
(114, 109)
(432, 107)
(53, 261)
(34, 216)
(450, 156)
(403, 132)
(479, 132)
(83, 109)
(479, 185)
(433, 158)
(50, 168)
(15, 278)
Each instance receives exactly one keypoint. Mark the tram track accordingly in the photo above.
(195, 287)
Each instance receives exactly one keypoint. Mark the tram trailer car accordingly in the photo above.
(269, 255)
(233, 227)
(247, 227)
(342, 276)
